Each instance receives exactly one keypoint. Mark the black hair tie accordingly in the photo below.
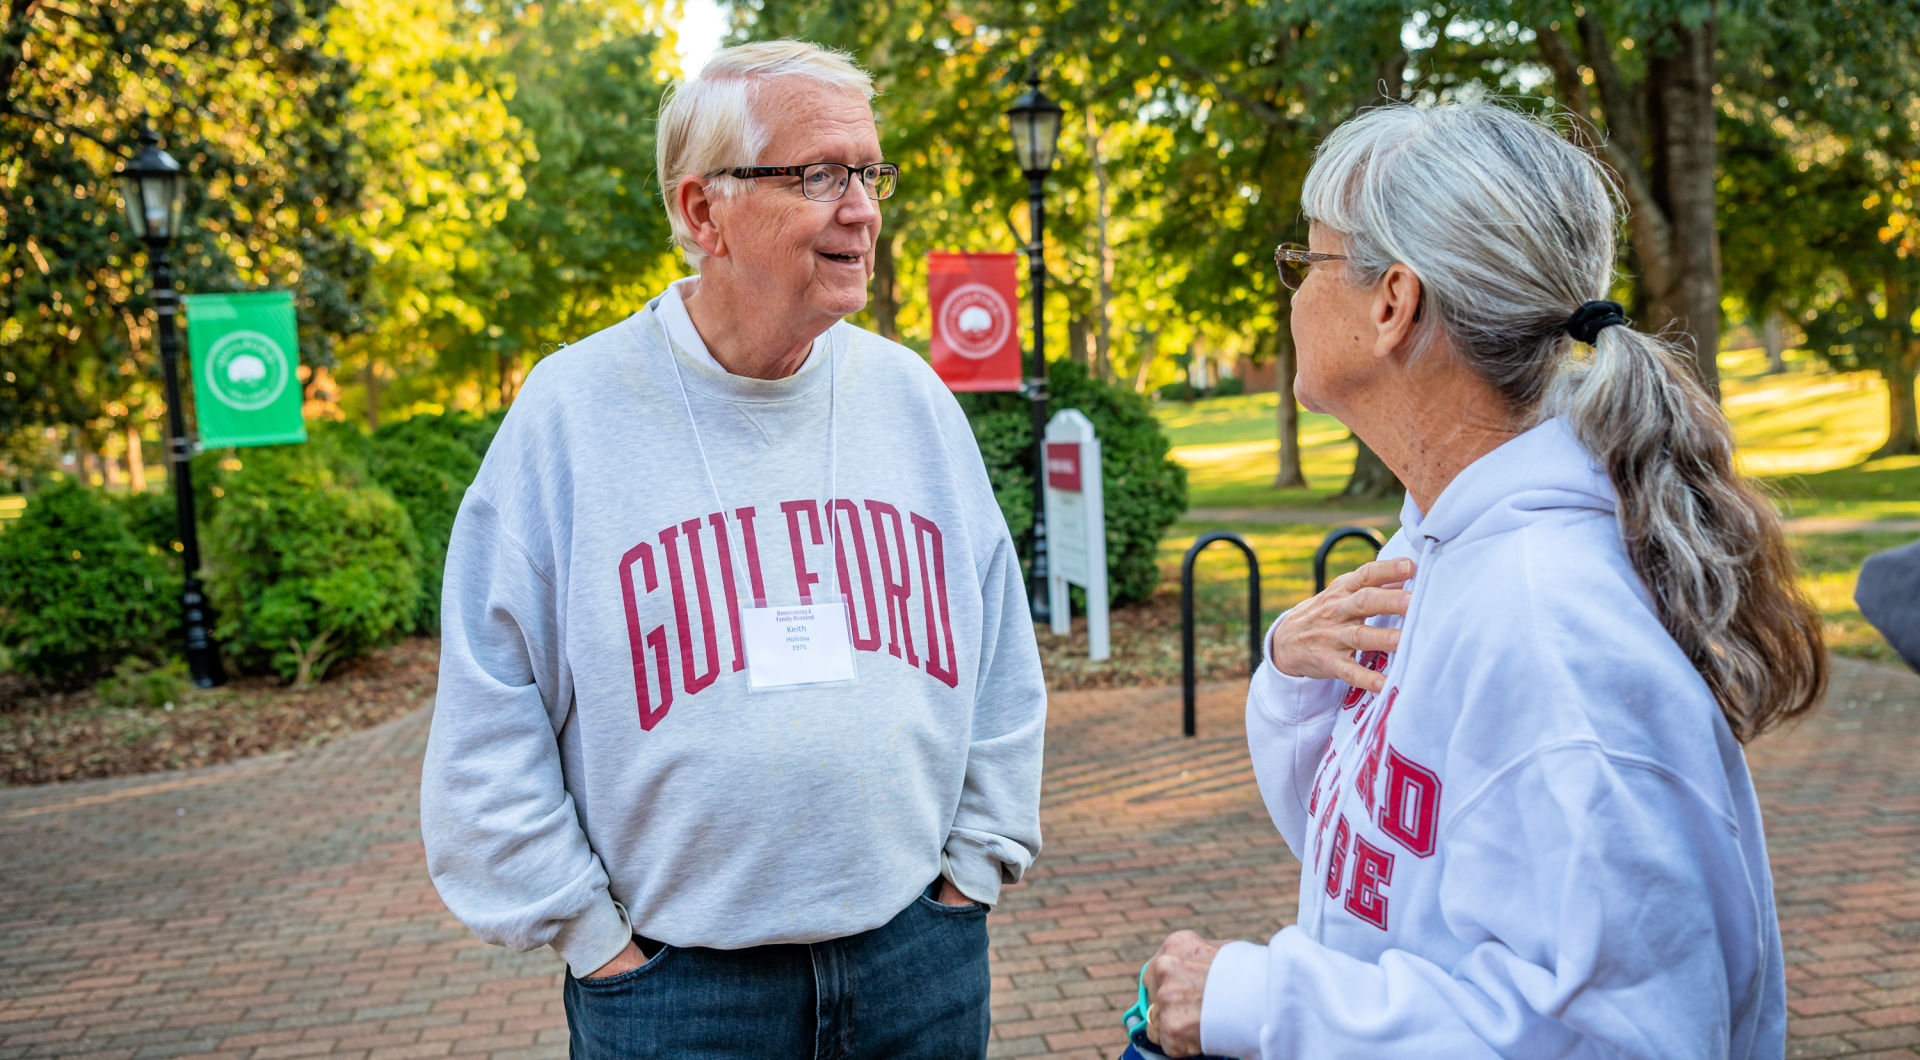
(1587, 321)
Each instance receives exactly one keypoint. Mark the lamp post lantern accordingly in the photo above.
(151, 185)
(1034, 121)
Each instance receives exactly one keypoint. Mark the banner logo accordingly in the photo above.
(976, 321)
(247, 370)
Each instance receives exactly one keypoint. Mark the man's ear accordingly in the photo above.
(1396, 309)
(697, 208)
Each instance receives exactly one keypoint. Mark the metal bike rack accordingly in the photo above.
(1320, 554)
(1186, 614)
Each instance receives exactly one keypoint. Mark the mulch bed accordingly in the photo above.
(72, 736)
(53, 736)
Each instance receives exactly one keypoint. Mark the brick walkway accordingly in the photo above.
(280, 906)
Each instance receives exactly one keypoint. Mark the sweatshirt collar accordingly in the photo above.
(1542, 468)
(665, 318)
(672, 307)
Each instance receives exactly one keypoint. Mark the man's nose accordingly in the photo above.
(857, 205)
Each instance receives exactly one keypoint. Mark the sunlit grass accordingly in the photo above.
(1804, 433)
(1829, 564)
(1829, 568)
(1229, 448)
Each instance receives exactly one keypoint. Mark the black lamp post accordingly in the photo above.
(151, 185)
(1035, 122)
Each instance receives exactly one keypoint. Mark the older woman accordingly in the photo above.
(1508, 753)
(740, 710)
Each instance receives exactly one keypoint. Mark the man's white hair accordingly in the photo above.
(707, 122)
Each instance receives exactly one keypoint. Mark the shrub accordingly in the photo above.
(77, 590)
(151, 519)
(139, 685)
(308, 562)
(1224, 386)
(427, 463)
(1145, 490)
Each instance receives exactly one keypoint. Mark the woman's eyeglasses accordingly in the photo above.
(1293, 260)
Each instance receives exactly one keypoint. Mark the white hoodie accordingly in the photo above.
(1540, 840)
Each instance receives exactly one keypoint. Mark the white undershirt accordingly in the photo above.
(680, 329)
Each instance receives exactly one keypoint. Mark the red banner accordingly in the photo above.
(976, 326)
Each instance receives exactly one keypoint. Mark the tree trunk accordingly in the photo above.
(1773, 335)
(372, 383)
(1103, 300)
(1077, 339)
(1681, 116)
(886, 291)
(1658, 141)
(136, 461)
(1287, 413)
(1903, 361)
(1903, 434)
(1149, 350)
(1372, 479)
(85, 458)
(1291, 475)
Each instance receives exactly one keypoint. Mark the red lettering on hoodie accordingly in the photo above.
(1410, 814)
(933, 592)
(870, 640)
(1376, 742)
(801, 576)
(692, 680)
(654, 639)
(899, 620)
(723, 542)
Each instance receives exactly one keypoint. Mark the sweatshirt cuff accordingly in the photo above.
(1233, 1006)
(973, 869)
(593, 938)
(1283, 697)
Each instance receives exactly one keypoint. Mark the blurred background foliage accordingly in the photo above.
(454, 188)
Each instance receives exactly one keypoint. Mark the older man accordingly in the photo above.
(740, 709)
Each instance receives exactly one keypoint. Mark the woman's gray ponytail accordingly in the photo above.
(1511, 229)
(1709, 547)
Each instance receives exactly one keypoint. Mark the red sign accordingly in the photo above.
(1063, 466)
(976, 329)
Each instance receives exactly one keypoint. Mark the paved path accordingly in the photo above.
(1806, 524)
(279, 907)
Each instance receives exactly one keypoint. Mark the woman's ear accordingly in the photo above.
(697, 209)
(1396, 310)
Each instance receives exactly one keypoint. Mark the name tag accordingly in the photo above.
(806, 644)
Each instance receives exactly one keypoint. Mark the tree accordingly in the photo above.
(249, 101)
(1822, 166)
(588, 240)
(441, 161)
(1640, 81)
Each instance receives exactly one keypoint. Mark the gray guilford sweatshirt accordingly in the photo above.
(597, 766)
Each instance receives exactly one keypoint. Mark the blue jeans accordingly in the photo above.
(915, 987)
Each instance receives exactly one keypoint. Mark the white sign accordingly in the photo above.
(1076, 526)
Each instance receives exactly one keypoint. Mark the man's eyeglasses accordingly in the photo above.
(826, 181)
(1293, 261)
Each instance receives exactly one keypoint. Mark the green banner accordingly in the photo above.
(245, 350)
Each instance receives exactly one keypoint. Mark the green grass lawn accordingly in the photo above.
(1803, 433)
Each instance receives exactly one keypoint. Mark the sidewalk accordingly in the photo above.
(279, 907)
